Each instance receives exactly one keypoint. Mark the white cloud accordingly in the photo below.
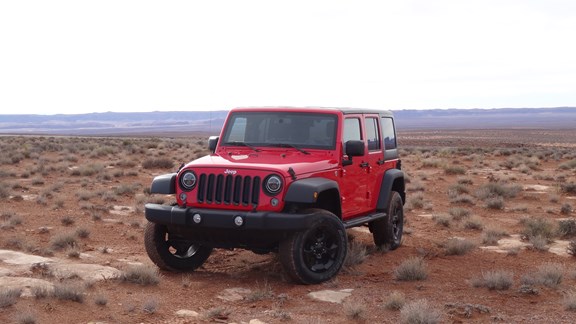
(76, 56)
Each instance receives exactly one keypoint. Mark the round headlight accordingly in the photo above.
(273, 184)
(188, 180)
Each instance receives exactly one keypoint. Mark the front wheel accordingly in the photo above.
(173, 254)
(316, 254)
(387, 231)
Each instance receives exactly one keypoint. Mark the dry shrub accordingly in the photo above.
(495, 280)
(454, 170)
(570, 302)
(62, 241)
(142, 275)
(491, 236)
(72, 292)
(569, 188)
(158, 163)
(456, 246)
(356, 255)
(495, 189)
(567, 228)
(534, 227)
(420, 312)
(550, 274)
(411, 269)
(355, 311)
(395, 301)
(458, 213)
(8, 297)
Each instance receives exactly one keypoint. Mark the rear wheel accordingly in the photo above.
(173, 254)
(316, 254)
(387, 231)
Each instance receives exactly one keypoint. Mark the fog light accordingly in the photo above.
(183, 196)
(197, 218)
(274, 202)
(238, 220)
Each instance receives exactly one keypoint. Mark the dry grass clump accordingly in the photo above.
(491, 236)
(395, 301)
(412, 269)
(158, 163)
(458, 213)
(474, 223)
(442, 219)
(150, 306)
(419, 312)
(72, 292)
(566, 209)
(64, 240)
(496, 189)
(141, 274)
(570, 302)
(456, 246)
(572, 248)
(8, 297)
(454, 170)
(260, 293)
(566, 228)
(416, 201)
(549, 275)
(537, 227)
(567, 165)
(494, 280)
(25, 318)
(355, 311)
(569, 188)
(357, 253)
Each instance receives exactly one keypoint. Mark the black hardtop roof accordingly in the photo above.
(344, 110)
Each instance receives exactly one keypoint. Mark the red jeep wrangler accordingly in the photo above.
(286, 180)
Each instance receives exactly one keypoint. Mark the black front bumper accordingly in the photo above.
(175, 216)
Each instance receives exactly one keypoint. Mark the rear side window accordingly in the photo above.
(388, 133)
(372, 134)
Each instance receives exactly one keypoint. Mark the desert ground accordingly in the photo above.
(489, 233)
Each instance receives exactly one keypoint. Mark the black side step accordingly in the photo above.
(364, 219)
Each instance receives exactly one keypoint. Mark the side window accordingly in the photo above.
(351, 130)
(372, 135)
(388, 133)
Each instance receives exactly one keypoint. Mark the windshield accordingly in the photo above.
(296, 129)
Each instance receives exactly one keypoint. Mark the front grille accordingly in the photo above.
(228, 189)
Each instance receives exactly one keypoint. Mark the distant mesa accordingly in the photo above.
(210, 122)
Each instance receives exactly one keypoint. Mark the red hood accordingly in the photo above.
(270, 159)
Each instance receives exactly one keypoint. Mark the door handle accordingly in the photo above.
(364, 164)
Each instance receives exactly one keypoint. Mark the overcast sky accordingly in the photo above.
(94, 56)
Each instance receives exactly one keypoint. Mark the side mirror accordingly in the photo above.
(212, 143)
(353, 148)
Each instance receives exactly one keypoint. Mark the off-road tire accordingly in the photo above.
(173, 255)
(387, 231)
(317, 253)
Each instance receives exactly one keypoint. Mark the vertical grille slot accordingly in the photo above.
(219, 183)
(256, 191)
(210, 189)
(202, 188)
(228, 189)
(246, 191)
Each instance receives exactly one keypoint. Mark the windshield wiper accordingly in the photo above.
(238, 143)
(288, 145)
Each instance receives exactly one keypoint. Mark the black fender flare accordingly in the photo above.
(390, 177)
(164, 184)
(307, 190)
